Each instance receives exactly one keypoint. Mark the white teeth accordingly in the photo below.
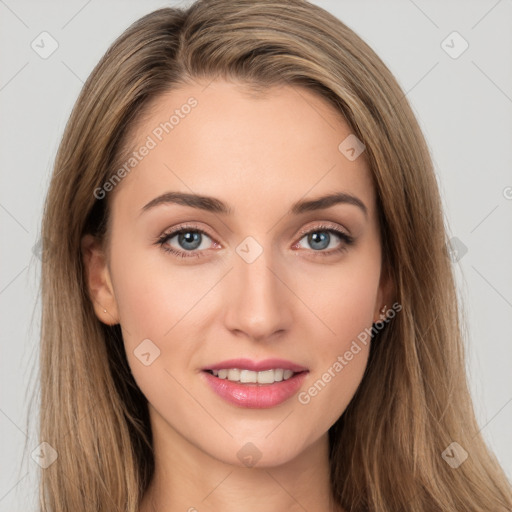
(234, 374)
(287, 374)
(248, 376)
(266, 377)
(278, 375)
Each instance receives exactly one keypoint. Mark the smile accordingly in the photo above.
(252, 377)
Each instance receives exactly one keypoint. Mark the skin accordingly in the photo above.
(259, 154)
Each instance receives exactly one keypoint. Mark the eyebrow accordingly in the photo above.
(214, 205)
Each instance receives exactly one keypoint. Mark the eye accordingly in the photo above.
(185, 241)
(190, 241)
(323, 237)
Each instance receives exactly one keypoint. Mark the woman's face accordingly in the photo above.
(261, 271)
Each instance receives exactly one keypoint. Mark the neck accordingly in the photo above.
(188, 479)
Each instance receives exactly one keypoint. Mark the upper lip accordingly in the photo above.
(257, 366)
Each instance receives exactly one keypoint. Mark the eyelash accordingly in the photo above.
(165, 237)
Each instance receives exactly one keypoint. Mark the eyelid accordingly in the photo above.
(323, 226)
(301, 233)
(183, 226)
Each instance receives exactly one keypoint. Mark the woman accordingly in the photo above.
(248, 300)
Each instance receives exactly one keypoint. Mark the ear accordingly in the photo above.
(385, 295)
(99, 283)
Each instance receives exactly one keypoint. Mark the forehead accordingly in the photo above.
(244, 146)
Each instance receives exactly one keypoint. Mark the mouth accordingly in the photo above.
(244, 376)
(257, 385)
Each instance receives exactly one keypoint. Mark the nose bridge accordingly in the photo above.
(260, 302)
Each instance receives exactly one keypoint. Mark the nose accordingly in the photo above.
(258, 304)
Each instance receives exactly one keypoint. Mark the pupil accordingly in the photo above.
(319, 240)
(190, 238)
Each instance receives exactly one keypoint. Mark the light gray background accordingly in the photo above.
(464, 106)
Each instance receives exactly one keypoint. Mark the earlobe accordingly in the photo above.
(384, 296)
(98, 280)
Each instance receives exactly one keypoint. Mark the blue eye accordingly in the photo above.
(320, 238)
(189, 240)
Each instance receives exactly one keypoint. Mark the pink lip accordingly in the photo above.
(257, 366)
(255, 396)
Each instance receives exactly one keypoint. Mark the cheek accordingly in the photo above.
(345, 300)
(153, 303)
(152, 296)
(346, 305)
(330, 389)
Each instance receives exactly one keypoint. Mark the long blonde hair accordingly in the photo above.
(413, 401)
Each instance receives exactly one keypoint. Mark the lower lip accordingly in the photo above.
(255, 396)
